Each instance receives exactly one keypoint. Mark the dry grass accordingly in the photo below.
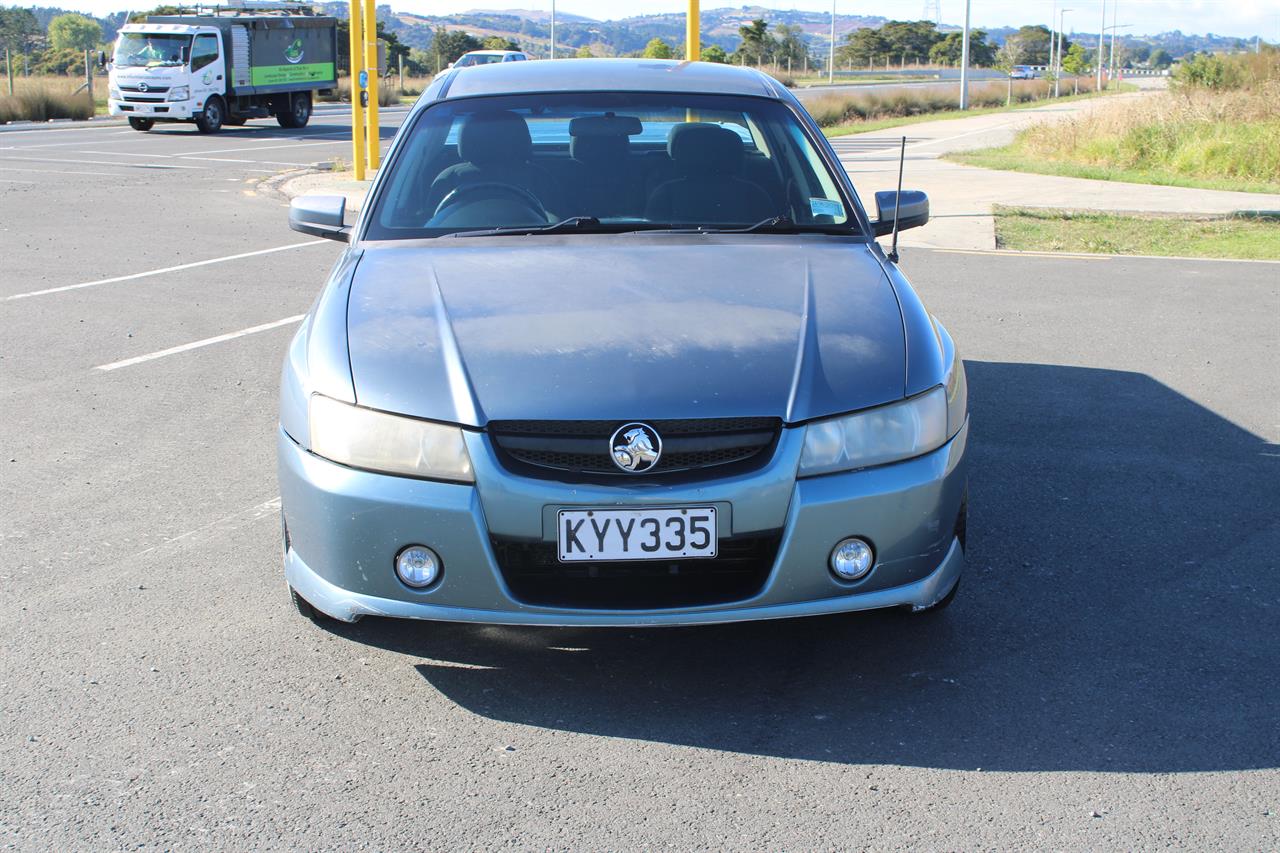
(837, 109)
(1225, 137)
(44, 98)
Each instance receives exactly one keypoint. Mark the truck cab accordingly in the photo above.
(222, 68)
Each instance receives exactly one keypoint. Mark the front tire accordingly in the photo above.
(933, 609)
(142, 124)
(298, 112)
(211, 117)
(304, 607)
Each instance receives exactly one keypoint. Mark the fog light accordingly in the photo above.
(418, 566)
(851, 559)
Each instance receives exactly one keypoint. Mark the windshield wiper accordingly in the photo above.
(573, 223)
(772, 225)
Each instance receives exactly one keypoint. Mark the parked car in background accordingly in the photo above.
(1023, 72)
(487, 57)
(613, 343)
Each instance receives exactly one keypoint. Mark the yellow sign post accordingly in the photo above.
(355, 43)
(692, 38)
(371, 66)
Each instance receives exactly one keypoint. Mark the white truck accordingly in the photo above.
(223, 65)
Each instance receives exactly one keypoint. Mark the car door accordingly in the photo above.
(208, 68)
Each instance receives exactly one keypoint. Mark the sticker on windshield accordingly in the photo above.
(826, 207)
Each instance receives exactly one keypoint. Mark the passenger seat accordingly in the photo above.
(709, 159)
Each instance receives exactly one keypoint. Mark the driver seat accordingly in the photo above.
(495, 147)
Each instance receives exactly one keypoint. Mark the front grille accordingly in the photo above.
(151, 90)
(535, 575)
(582, 447)
(143, 99)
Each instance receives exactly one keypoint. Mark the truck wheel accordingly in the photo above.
(210, 118)
(299, 111)
(143, 124)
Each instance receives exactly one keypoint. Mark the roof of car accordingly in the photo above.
(608, 75)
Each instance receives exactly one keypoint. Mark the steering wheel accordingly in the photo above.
(491, 189)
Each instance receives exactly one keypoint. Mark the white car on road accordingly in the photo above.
(487, 57)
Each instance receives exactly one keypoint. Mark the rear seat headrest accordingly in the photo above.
(599, 149)
(700, 148)
(494, 138)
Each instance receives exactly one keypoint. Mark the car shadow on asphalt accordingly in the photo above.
(1119, 612)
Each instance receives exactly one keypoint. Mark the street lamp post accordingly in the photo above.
(831, 61)
(1053, 35)
(964, 61)
(1057, 69)
(1114, 29)
(1102, 38)
(553, 29)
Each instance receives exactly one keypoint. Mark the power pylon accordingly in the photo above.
(932, 11)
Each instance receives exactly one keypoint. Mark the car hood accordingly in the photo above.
(638, 327)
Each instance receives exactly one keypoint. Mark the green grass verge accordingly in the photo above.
(1029, 229)
(946, 115)
(1011, 159)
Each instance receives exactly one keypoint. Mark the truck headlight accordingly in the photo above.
(878, 436)
(391, 444)
(113, 93)
(179, 93)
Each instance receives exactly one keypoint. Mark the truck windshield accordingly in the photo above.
(609, 162)
(142, 49)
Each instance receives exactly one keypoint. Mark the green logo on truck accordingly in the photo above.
(310, 72)
(293, 53)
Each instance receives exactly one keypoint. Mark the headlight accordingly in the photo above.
(877, 436)
(113, 93)
(179, 93)
(376, 441)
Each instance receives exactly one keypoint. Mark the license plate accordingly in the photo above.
(636, 534)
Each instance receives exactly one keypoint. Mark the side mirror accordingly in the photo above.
(913, 213)
(320, 216)
(102, 59)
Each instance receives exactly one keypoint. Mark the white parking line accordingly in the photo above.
(163, 271)
(6, 159)
(241, 150)
(129, 362)
(64, 172)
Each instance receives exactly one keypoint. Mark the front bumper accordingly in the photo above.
(166, 111)
(344, 528)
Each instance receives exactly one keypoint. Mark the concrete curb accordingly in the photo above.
(316, 181)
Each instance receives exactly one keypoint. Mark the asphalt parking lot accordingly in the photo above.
(1106, 677)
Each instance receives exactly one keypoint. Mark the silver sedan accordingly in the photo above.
(613, 343)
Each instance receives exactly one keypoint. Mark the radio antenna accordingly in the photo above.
(897, 202)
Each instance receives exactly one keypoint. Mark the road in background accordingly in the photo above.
(1100, 682)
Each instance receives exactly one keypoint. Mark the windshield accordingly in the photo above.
(615, 162)
(141, 49)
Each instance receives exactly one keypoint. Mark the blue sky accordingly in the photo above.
(1225, 17)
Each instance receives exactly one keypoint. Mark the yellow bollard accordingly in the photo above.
(371, 66)
(357, 111)
(692, 37)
